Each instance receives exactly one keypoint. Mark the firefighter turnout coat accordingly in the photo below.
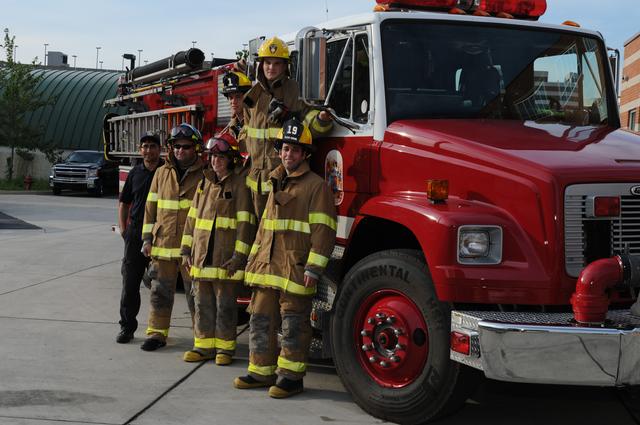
(168, 204)
(259, 132)
(221, 223)
(296, 233)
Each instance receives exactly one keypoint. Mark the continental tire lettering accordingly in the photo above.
(383, 270)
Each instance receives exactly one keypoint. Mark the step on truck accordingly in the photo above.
(488, 203)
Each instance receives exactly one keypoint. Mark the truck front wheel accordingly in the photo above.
(390, 338)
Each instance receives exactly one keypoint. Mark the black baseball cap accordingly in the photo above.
(150, 136)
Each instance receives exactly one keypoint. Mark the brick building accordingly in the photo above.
(630, 96)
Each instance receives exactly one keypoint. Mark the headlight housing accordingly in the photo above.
(479, 244)
(92, 172)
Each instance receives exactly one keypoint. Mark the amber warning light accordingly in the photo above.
(524, 9)
(437, 190)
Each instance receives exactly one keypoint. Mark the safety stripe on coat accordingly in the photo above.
(254, 248)
(152, 197)
(171, 204)
(278, 282)
(262, 370)
(147, 228)
(215, 273)
(156, 251)
(317, 259)
(322, 218)
(281, 224)
(292, 366)
(262, 133)
(246, 216)
(187, 240)
(242, 247)
(253, 185)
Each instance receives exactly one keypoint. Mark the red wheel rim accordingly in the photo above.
(391, 338)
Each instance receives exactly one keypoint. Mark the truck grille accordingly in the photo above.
(70, 172)
(587, 238)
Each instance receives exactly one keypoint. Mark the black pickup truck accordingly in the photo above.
(85, 170)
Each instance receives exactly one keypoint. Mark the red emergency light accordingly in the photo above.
(527, 9)
(518, 8)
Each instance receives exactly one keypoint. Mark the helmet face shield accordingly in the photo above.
(185, 131)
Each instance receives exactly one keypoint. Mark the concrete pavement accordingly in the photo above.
(59, 293)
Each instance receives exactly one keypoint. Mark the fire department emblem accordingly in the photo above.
(635, 190)
(334, 175)
(273, 48)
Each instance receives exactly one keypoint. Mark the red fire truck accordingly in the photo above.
(488, 201)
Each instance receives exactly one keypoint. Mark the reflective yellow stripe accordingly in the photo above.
(310, 116)
(317, 259)
(151, 330)
(204, 224)
(193, 212)
(187, 240)
(278, 282)
(262, 133)
(322, 218)
(226, 223)
(152, 197)
(147, 228)
(170, 204)
(262, 370)
(320, 126)
(246, 216)
(242, 247)
(225, 345)
(215, 273)
(253, 185)
(286, 224)
(165, 252)
(292, 366)
(206, 343)
(254, 248)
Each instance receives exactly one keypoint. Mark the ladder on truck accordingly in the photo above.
(123, 132)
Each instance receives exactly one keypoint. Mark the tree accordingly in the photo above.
(18, 97)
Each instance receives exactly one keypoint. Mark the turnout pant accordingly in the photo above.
(133, 267)
(270, 309)
(216, 316)
(163, 287)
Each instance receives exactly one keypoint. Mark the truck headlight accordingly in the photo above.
(479, 244)
(93, 172)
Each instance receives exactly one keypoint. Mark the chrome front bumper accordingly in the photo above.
(547, 348)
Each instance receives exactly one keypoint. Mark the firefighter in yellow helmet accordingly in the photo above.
(299, 213)
(218, 234)
(172, 189)
(234, 86)
(269, 103)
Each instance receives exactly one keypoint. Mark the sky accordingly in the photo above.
(77, 27)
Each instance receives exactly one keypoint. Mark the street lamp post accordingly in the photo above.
(74, 60)
(193, 43)
(15, 51)
(140, 55)
(45, 53)
(97, 54)
(101, 64)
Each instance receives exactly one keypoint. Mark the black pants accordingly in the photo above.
(133, 267)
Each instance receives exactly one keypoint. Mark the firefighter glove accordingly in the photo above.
(235, 263)
(278, 112)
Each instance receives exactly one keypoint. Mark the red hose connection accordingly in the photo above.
(591, 301)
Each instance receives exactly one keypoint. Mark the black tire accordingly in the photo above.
(97, 191)
(56, 190)
(436, 390)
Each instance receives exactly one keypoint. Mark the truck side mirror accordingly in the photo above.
(614, 61)
(311, 65)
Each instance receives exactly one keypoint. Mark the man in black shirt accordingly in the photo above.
(130, 217)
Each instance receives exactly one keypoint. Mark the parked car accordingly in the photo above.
(84, 170)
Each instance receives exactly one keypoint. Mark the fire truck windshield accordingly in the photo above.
(464, 70)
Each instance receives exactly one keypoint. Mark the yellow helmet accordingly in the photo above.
(273, 48)
(293, 132)
(235, 81)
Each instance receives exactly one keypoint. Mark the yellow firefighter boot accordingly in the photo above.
(193, 356)
(248, 381)
(223, 359)
(286, 388)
